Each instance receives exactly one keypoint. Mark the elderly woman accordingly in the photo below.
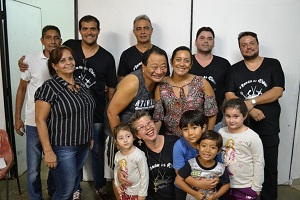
(64, 118)
(158, 150)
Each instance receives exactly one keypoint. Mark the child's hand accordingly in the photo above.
(122, 176)
(141, 198)
(208, 183)
(120, 190)
(198, 195)
(211, 196)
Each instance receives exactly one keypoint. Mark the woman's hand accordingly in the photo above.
(50, 159)
(91, 144)
(122, 176)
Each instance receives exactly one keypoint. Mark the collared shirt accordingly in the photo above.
(36, 75)
(71, 116)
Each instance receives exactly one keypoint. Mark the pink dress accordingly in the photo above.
(169, 107)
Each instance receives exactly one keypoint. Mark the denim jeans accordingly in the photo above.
(33, 158)
(70, 160)
(98, 156)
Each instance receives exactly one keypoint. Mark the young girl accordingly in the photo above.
(243, 153)
(133, 161)
(192, 123)
(204, 166)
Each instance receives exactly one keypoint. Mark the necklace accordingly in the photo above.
(181, 88)
(155, 182)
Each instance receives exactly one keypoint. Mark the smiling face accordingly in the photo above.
(89, 32)
(142, 30)
(249, 47)
(66, 64)
(124, 139)
(51, 40)
(145, 129)
(192, 134)
(156, 68)
(182, 62)
(205, 42)
(208, 150)
(234, 120)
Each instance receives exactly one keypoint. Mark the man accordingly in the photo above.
(131, 58)
(32, 79)
(260, 82)
(213, 68)
(95, 66)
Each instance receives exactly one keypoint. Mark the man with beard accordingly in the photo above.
(211, 67)
(95, 66)
(260, 82)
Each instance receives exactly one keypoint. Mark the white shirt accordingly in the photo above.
(36, 75)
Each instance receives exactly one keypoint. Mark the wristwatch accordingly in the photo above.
(253, 102)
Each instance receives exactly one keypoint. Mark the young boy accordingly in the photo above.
(133, 161)
(204, 166)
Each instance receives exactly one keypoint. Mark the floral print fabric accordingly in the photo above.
(169, 107)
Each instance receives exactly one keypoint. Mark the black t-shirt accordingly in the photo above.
(96, 72)
(248, 84)
(215, 73)
(164, 172)
(131, 60)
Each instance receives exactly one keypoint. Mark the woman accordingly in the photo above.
(64, 118)
(134, 92)
(181, 92)
(158, 150)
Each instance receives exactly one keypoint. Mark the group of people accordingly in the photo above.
(77, 102)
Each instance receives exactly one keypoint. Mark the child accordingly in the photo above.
(204, 166)
(133, 161)
(192, 123)
(243, 153)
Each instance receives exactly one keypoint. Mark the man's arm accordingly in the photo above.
(22, 66)
(110, 92)
(267, 97)
(20, 96)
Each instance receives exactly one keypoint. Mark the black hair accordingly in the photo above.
(236, 103)
(205, 29)
(50, 27)
(247, 33)
(89, 18)
(153, 50)
(193, 117)
(182, 48)
(212, 135)
(121, 127)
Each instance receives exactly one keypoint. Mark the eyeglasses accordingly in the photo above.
(145, 126)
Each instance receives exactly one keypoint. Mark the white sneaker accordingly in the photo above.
(77, 195)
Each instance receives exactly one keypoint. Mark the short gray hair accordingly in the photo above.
(142, 17)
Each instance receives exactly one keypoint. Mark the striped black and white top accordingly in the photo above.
(70, 120)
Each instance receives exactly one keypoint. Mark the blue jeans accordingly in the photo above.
(70, 160)
(98, 156)
(33, 158)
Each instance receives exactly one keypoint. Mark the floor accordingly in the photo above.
(284, 192)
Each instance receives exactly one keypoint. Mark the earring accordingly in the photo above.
(140, 142)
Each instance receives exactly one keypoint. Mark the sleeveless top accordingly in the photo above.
(142, 101)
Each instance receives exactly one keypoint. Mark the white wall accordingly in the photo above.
(54, 12)
(276, 24)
